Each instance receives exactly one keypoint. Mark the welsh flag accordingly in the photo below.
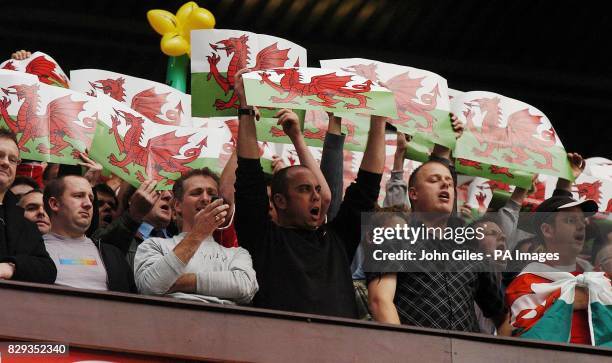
(158, 102)
(421, 98)
(318, 89)
(135, 148)
(541, 302)
(216, 56)
(51, 123)
(42, 66)
(506, 140)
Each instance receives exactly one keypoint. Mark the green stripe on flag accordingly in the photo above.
(601, 318)
(204, 94)
(554, 325)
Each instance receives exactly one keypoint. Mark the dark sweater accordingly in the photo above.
(302, 270)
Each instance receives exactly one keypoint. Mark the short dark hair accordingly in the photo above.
(280, 182)
(25, 180)
(103, 188)
(8, 134)
(415, 172)
(177, 188)
(55, 189)
(47, 172)
(35, 190)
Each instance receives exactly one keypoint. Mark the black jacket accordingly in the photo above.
(119, 274)
(24, 246)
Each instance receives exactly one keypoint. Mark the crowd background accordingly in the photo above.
(145, 242)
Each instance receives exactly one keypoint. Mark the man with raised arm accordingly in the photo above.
(442, 299)
(301, 265)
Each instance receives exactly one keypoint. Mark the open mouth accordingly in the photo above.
(444, 196)
(165, 208)
(314, 212)
(579, 237)
(107, 218)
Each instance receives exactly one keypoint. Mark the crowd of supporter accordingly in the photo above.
(291, 244)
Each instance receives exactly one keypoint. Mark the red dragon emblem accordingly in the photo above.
(367, 71)
(237, 48)
(520, 136)
(9, 65)
(480, 198)
(111, 87)
(45, 70)
(409, 106)
(404, 88)
(60, 116)
(494, 185)
(159, 153)
(325, 87)
(470, 163)
(494, 169)
(147, 103)
(590, 190)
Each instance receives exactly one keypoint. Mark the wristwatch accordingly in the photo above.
(246, 111)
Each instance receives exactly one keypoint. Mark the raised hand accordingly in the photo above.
(93, 169)
(143, 200)
(289, 121)
(239, 86)
(457, 126)
(209, 219)
(277, 164)
(577, 163)
(21, 55)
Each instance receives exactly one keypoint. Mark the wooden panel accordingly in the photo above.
(180, 329)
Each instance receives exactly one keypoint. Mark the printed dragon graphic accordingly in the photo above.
(159, 154)
(519, 136)
(590, 190)
(57, 122)
(269, 57)
(325, 87)
(44, 69)
(493, 169)
(147, 103)
(405, 89)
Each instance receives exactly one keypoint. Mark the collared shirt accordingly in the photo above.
(145, 230)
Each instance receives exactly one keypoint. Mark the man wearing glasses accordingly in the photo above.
(22, 252)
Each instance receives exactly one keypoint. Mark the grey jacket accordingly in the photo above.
(223, 275)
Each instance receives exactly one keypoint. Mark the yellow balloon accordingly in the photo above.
(184, 11)
(162, 21)
(200, 18)
(176, 30)
(173, 44)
